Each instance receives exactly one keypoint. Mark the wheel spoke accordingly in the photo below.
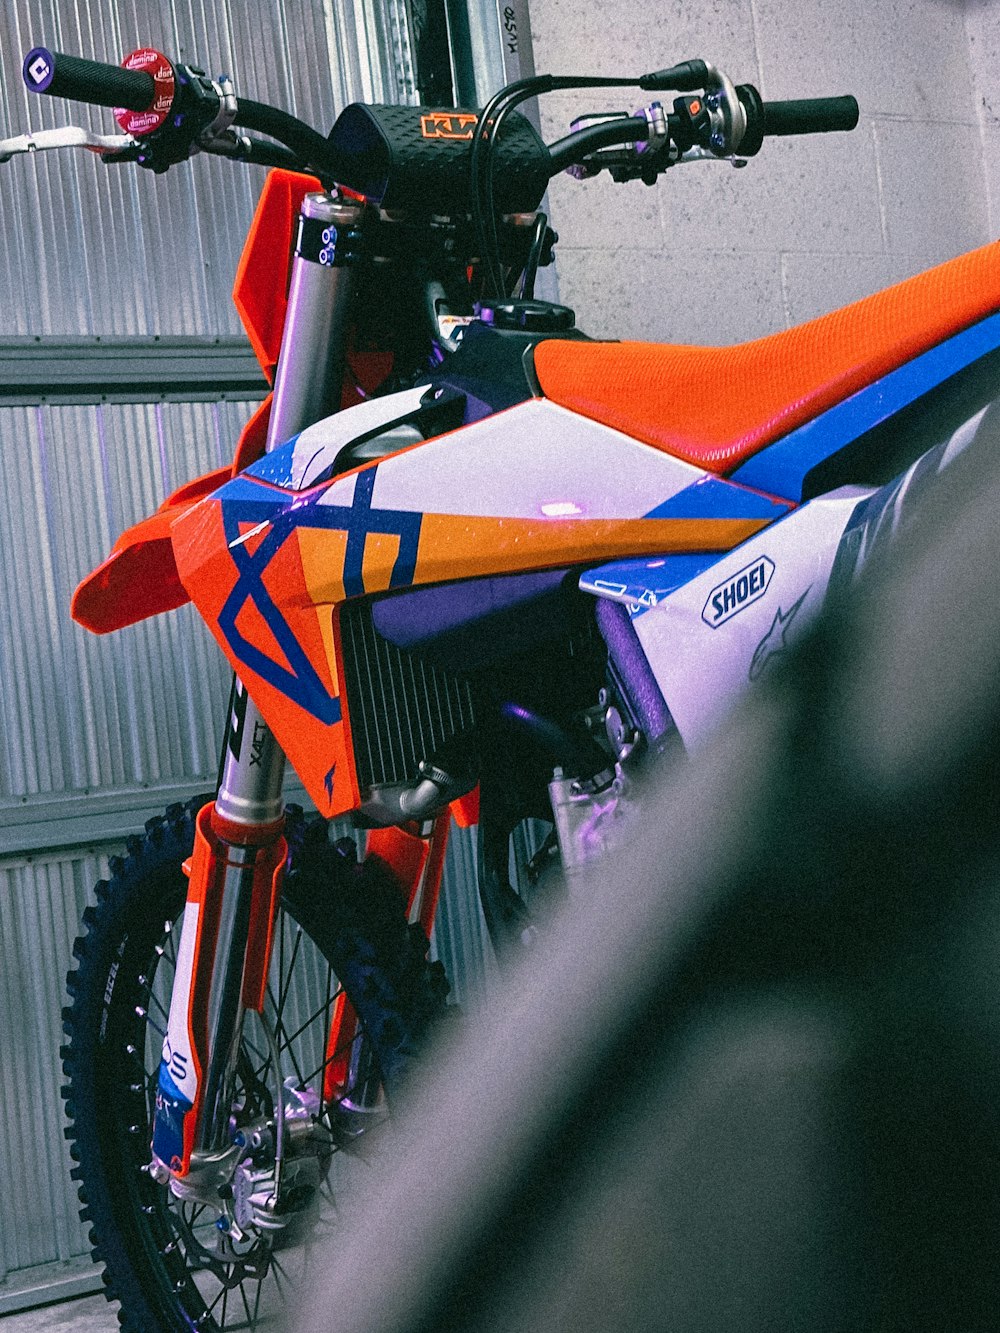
(323, 1012)
(155, 999)
(206, 1267)
(154, 1025)
(288, 1050)
(209, 1309)
(246, 1306)
(336, 1054)
(286, 975)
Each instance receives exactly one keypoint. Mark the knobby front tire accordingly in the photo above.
(341, 927)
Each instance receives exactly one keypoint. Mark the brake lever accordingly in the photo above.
(66, 136)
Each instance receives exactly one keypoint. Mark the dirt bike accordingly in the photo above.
(467, 563)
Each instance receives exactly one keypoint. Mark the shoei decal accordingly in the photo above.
(743, 588)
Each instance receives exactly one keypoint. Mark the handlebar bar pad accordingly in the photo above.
(407, 156)
(59, 75)
(817, 115)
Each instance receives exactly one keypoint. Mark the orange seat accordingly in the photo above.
(716, 406)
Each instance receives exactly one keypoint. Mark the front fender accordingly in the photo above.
(139, 578)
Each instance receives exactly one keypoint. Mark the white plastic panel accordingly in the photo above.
(711, 637)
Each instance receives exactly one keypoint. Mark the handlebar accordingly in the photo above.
(395, 155)
(686, 134)
(91, 81)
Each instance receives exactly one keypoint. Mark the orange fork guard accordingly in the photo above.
(417, 864)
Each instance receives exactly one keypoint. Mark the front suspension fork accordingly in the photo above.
(240, 852)
(222, 966)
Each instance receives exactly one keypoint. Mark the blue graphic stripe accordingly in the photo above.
(646, 582)
(276, 466)
(299, 680)
(783, 467)
(357, 533)
(243, 504)
(243, 490)
(714, 497)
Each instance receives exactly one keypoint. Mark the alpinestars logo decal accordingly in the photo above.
(773, 644)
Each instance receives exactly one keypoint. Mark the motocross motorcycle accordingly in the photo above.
(467, 563)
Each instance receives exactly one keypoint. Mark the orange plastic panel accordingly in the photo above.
(139, 578)
(268, 876)
(253, 437)
(430, 890)
(404, 853)
(716, 406)
(465, 810)
(344, 1029)
(260, 292)
(194, 490)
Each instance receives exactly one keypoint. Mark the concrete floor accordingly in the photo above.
(87, 1314)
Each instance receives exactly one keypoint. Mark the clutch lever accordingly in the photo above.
(66, 136)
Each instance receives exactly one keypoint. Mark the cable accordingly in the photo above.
(531, 264)
(485, 147)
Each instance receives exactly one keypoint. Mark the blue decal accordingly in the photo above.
(644, 583)
(244, 503)
(773, 644)
(714, 497)
(783, 467)
(168, 1120)
(244, 489)
(275, 466)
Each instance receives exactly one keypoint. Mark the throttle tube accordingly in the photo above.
(92, 81)
(815, 115)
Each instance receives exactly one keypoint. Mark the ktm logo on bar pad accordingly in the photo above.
(448, 125)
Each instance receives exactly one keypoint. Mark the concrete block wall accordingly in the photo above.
(714, 255)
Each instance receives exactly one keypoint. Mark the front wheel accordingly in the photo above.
(341, 934)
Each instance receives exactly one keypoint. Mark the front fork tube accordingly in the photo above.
(240, 852)
(225, 947)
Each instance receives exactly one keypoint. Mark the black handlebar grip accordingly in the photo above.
(91, 81)
(815, 115)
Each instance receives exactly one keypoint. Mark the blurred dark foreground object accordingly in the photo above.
(753, 1081)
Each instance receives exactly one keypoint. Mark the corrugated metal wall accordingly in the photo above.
(97, 734)
(94, 250)
(91, 725)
